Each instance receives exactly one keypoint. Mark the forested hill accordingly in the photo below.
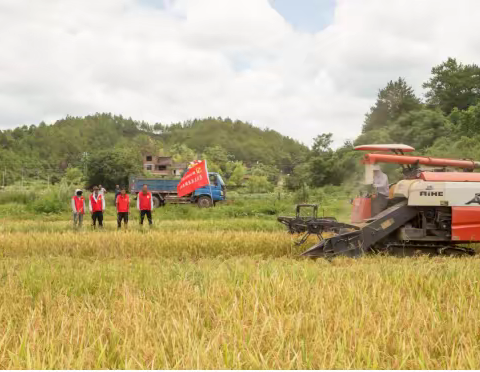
(243, 141)
(35, 149)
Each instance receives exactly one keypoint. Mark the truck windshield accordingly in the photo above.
(220, 180)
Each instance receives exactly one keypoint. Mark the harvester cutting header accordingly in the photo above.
(434, 209)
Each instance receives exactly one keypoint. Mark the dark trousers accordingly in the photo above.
(379, 204)
(97, 216)
(122, 216)
(149, 216)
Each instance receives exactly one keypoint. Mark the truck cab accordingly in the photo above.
(211, 194)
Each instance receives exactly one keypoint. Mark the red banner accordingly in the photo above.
(196, 177)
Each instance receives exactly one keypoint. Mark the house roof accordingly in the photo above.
(164, 160)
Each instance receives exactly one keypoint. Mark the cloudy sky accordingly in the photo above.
(301, 67)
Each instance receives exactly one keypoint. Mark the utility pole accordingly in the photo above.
(85, 165)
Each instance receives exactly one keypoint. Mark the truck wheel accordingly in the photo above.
(156, 202)
(204, 202)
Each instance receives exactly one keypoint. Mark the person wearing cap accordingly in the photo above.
(78, 208)
(145, 204)
(97, 207)
(380, 183)
(123, 207)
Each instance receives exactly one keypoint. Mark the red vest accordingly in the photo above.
(96, 205)
(123, 203)
(79, 204)
(145, 201)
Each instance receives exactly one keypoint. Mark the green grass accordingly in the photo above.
(54, 204)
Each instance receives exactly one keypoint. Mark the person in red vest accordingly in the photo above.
(123, 207)
(145, 204)
(97, 207)
(78, 208)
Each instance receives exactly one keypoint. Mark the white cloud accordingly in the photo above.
(236, 58)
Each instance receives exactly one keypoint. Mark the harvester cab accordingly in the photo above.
(412, 168)
(434, 209)
(369, 202)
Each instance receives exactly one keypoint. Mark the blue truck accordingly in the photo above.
(165, 191)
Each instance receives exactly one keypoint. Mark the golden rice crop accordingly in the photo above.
(237, 224)
(151, 244)
(227, 299)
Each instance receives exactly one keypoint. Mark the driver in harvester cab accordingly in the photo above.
(380, 183)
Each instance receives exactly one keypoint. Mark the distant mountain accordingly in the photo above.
(53, 147)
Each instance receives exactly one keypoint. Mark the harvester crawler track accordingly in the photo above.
(433, 249)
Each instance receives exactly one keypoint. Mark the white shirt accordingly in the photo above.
(380, 182)
(96, 198)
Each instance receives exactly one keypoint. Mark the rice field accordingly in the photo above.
(224, 294)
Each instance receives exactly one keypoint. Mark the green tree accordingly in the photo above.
(300, 176)
(322, 143)
(382, 135)
(467, 122)
(114, 166)
(258, 184)
(457, 148)
(394, 100)
(73, 177)
(216, 154)
(236, 178)
(182, 153)
(419, 128)
(271, 172)
(453, 85)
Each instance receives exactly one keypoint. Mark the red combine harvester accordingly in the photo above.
(435, 210)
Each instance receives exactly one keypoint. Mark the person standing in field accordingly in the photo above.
(123, 207)
(102, 190)
(78, 208)
(145, 204)
(97, 207)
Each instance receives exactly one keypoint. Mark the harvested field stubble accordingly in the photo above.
(228, 299)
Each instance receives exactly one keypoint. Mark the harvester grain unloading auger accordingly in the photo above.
(433, 210)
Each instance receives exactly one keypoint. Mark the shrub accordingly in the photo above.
(302, 195)
(258, 184)
(49, 203)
